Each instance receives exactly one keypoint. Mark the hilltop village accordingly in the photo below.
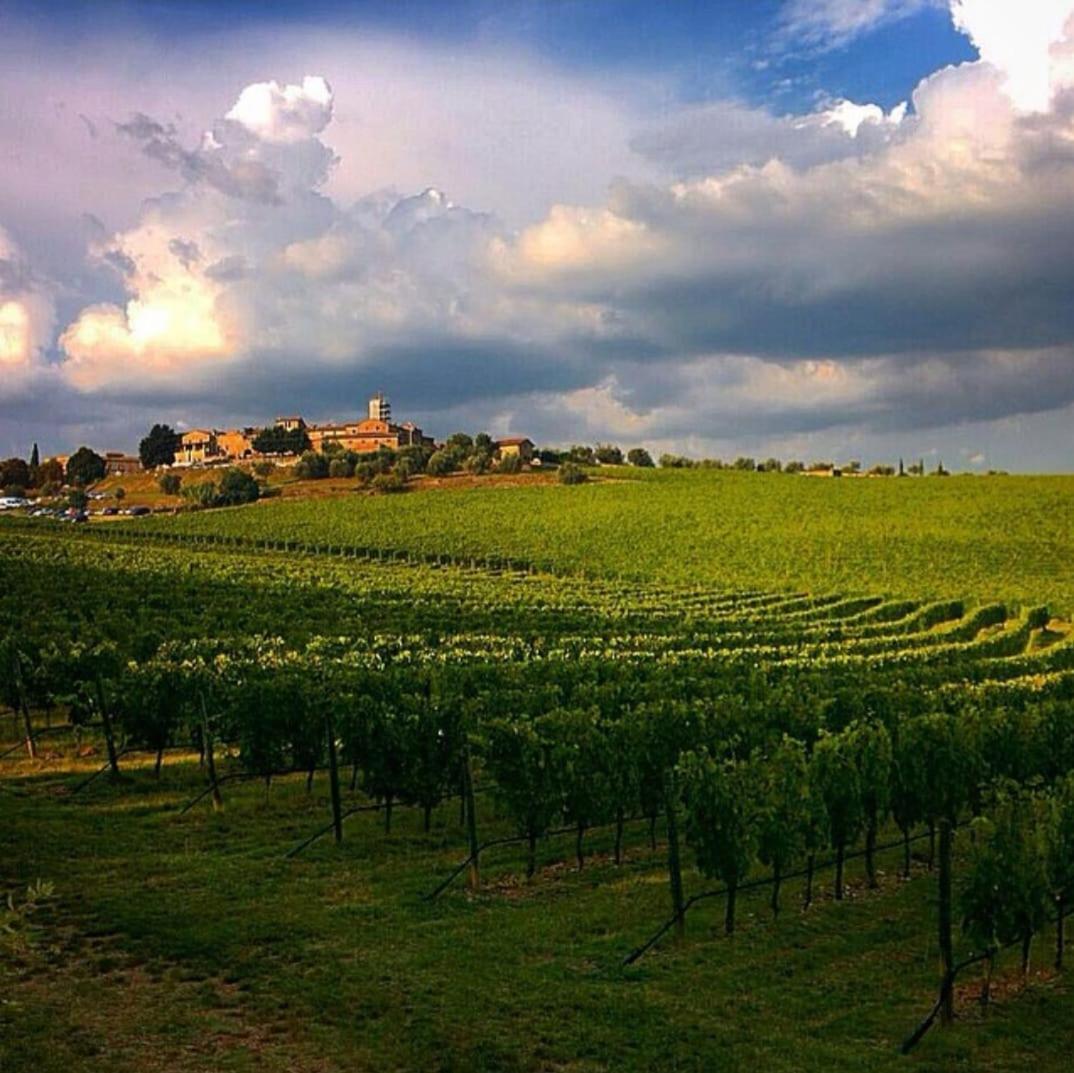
(202, 467)
(289, 437)
(371, 433)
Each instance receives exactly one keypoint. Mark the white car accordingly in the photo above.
(13, 502)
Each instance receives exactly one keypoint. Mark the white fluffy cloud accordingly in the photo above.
(284, 114)
(26, 317)
(1026, 41)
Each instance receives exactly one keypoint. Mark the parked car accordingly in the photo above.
(138, 512)
(110, 512)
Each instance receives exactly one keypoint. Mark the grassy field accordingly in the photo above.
(1006, 538)
(190, 943)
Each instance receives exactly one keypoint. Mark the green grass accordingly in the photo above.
(985, 538)
(333, 961)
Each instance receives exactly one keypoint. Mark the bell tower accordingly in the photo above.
(379, 408)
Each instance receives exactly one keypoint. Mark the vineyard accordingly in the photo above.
(329, 781)
(1003, 538)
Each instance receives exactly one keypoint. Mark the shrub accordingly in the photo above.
(386, 483)
(264, 469)
(237, 486)
(1037, 618)
(365, 472)
(170, 483)
(440, 464)
(201, 495)
(311, 466)
(478, 462)
(340, 467)
(638, 456)
(570, 473)
(510, 464)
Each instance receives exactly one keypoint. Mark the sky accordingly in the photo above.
(815, 229)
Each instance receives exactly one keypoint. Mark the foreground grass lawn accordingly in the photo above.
(191, 943)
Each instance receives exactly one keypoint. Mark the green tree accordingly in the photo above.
(159, 447)
(441, 463)
(14, 473)
(607, 454)
(170, 483)
(35, 458)
(236, 487)
(276, 440)
(49, 473)
(638, 456)
(477, 462)
(85, 467)
(311, 466)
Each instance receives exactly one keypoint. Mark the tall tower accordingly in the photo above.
(379, 408)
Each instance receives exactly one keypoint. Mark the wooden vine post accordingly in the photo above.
(474, 877)
(674, 861)
(210, 760)
(109, 732)
(947, 997)
(333, 776)
(31, 745)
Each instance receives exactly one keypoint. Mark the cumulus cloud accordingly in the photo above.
(284, 114)
(26, 318)
(1028, 42)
